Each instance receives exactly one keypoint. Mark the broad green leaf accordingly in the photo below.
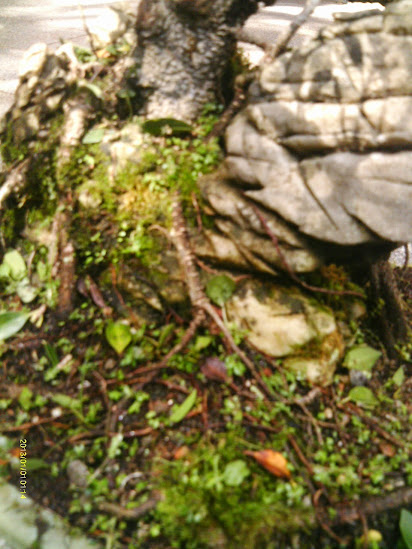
(399, 376)
(361, 357)
(13, 265)
(11, 323)
(67, 402)
(220, 288)
(235, 473)
(25, 398)
(202, 342)
(118, 335)
(34, 464)
(405, 526)
(166, 126)
(93, 136)
(363, 396)
(181, 411)
(95, 90)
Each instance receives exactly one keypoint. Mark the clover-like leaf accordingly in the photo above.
(220, 288)
(93, 136)
(13, 266)
(363, 396)
(399, 376)
(235, 472)
(118, 336)
(25, 398)
(361, 357)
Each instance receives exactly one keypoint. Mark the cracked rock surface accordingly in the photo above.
(324, 146)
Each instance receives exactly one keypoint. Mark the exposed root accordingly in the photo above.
(15, 180)
(65, 265)
(197, 296)
(374, 506)
(289, 269)
(130, 514)
(288, 34)
(241, 85)
(387, 299)
(77, 113)
(190, 332)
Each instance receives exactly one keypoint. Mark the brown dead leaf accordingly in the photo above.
(215, 369)
(387, 449)
(97, 296)
(181, 452)
(103, 54)
(273, 461)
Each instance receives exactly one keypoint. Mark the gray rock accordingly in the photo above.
(323, 147)
(358, 378)
(46, 80)
(23, 525)
(113, 24)
(280, 322)
(240, 241)
(78, 473)
(33, 60)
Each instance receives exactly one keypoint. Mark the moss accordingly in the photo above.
(201, 508)
(12, 222)
(10, 151)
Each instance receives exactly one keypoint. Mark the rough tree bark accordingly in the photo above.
(184, 52)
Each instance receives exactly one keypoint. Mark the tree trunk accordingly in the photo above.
(184, 51)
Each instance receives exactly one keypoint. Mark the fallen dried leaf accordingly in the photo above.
(181, 452)
(387, 449)
(103, 54)
(273, 461)
(215, 369)
(97, 296)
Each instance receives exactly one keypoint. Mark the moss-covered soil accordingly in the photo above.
(191, 453)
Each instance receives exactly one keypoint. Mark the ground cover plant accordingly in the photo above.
(149, 419)
(193, 451)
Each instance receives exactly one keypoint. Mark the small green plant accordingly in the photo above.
(405, 526)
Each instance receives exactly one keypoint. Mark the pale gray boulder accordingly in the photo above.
(324, 145)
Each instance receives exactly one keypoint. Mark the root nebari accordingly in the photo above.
(197, 296)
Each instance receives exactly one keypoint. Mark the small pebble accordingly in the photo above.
(359, 378)
(78, 473)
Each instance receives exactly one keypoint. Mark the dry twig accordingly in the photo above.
(289, 269)
(130, 514)
(297, 22)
